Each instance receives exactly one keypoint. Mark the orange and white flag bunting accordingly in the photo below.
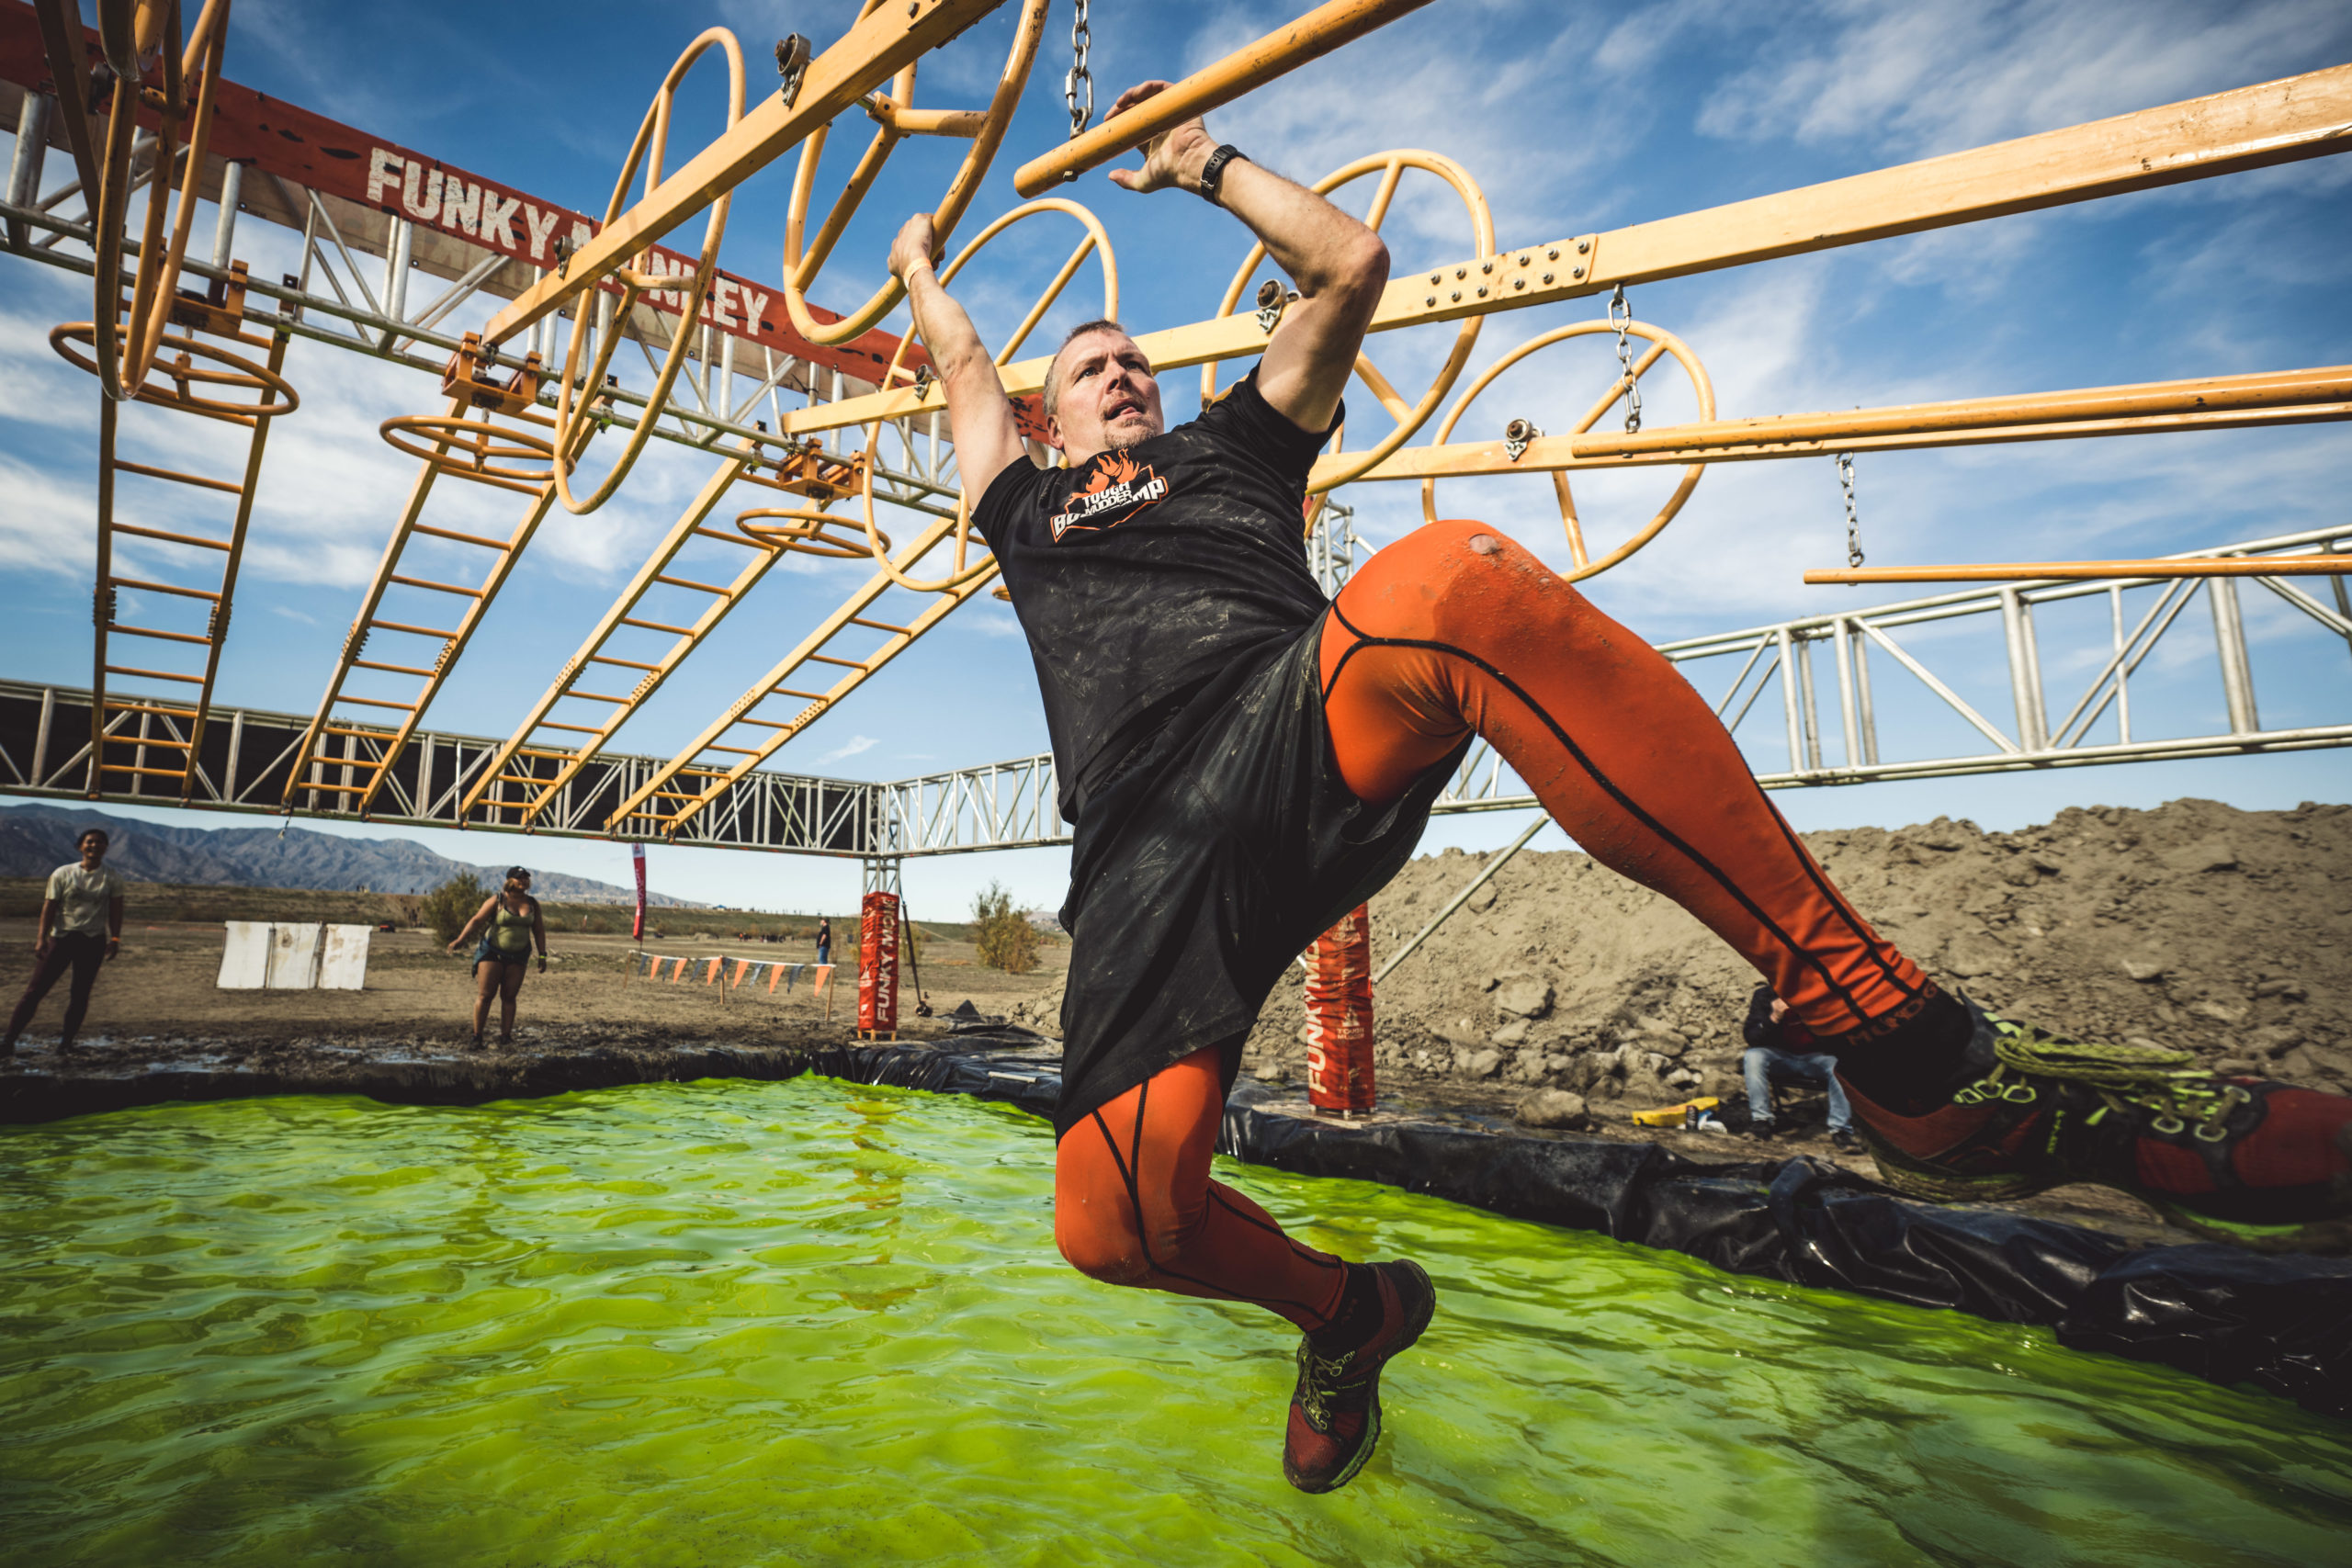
(736, 971)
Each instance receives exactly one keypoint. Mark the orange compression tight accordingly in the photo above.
(1457, 628)
(1133, 1204)
(1452, 629)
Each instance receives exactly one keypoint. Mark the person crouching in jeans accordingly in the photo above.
(1780, 1049)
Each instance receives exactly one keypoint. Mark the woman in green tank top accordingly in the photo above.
(510, 927)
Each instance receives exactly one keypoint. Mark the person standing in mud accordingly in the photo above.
(510, 926)
(1244, 761)
(83, 903)
(824, 941)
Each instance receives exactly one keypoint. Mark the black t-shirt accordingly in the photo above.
(1142, 574)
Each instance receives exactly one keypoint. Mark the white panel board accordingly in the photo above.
(343, 965)
(294, 956)
(244, 961)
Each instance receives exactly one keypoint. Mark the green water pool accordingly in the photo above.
(818, 1322)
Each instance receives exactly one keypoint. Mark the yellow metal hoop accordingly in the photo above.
(483, 451)
(1392, 166)
(1661, 343)
(653, 141)
(130, 31)
(898, 119)
(1097, 242)
(185, 374)
(806, 532)
(122, 352)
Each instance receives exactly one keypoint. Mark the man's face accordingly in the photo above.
(1107, 397)
(93, 847)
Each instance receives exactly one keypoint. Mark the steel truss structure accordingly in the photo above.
(249, 759)
(2138, 612)
(574, 288)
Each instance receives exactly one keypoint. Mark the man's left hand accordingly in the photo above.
(916, 245)
(1172, 158)
(114, 945)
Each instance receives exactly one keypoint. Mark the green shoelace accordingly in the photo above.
(2169, 1083)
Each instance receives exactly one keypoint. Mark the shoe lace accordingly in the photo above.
(1323, 1375)
(2169, 1083)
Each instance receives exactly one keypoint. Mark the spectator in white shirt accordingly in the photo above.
(81, 927)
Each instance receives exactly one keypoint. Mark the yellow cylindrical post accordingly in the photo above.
(1285, 49)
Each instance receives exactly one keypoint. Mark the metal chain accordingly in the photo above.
(1853, 518)
(1079, 38)
(1625, 359)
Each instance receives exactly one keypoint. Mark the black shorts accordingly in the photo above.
(487, 952)
(1212, 859)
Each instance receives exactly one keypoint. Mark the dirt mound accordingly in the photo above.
(2195, 926)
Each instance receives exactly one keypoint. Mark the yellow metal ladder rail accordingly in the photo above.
(314, 759)
(492, 789)
(220, 318)
(812, 475)
(634, 816)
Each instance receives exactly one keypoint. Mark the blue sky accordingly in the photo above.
(1572, 117)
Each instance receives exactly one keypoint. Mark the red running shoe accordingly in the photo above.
(1335, 1410)
(2243, 1160)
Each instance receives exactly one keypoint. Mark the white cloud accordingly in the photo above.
(855, 746)
(47, 525)
(990, 623)
(40, 388)
(1917, 80)
(1482, 84)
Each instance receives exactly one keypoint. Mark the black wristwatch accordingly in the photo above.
(1212, 172)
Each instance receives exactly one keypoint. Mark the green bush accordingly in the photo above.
(448, 907)
(1003, 934)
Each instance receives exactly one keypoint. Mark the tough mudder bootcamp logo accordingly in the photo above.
(1117, 488)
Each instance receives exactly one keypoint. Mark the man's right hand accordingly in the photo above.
(1173, 159)
(978, 413)
(916, 245)
(41, 950)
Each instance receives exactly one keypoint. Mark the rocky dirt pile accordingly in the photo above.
(2195, 926)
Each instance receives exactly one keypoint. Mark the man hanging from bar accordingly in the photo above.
(1245, 761)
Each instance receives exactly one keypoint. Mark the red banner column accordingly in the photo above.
(1339, 1016)
(636, 858)
(877, 967)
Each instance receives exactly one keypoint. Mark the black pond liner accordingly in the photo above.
(2280, 1323)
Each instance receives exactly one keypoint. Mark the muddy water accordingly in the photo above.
(814, 1323)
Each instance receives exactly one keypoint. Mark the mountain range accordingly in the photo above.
(35, 839)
